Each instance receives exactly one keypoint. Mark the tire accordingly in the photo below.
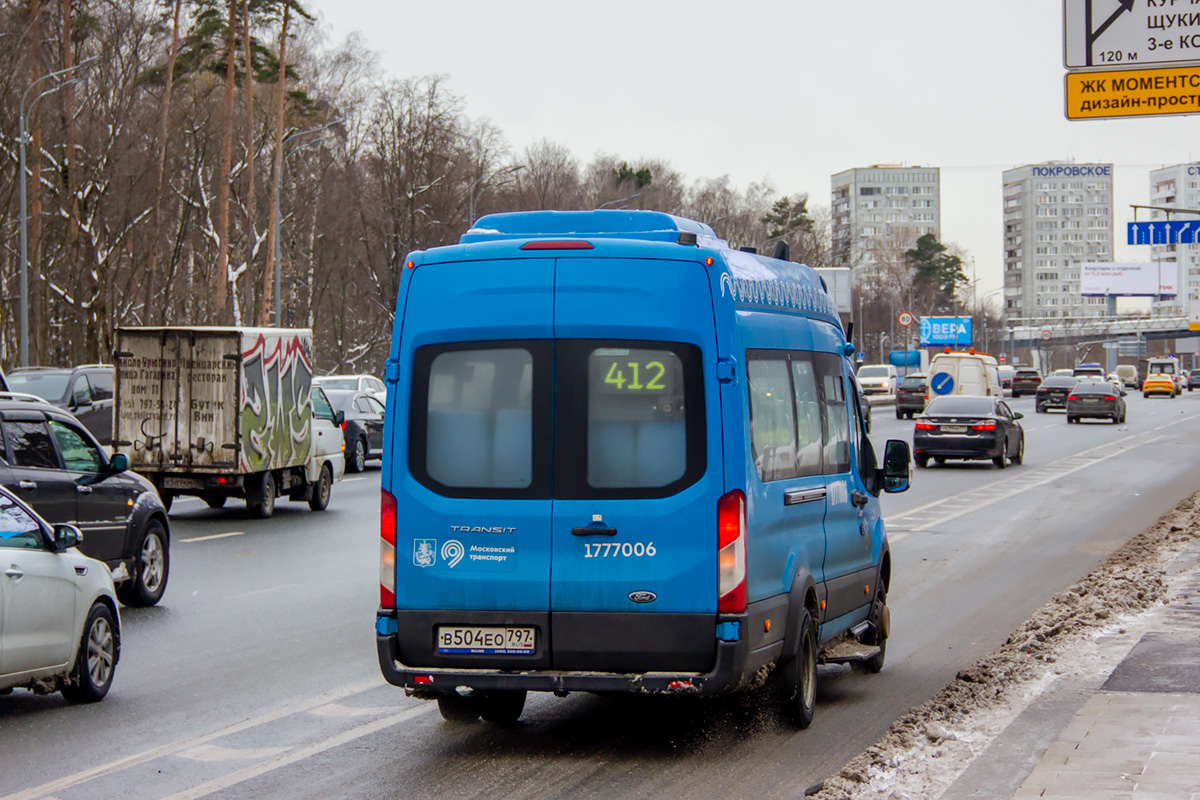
(1001, 461)
(1019, 458)
(151, 568)
(1145, 395)
(921, 461)
(265, 507)
(1039, 409)
(96, 659)
(899, 414)
(321, 492)
(803, 705)
(502, 708)
(167, 499)
(215, 500)
(939, 461)
(879, 617)
(358, 461)
(459, 710)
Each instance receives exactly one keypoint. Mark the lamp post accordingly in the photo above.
(472, 197)
(22, 140)
(291, 137)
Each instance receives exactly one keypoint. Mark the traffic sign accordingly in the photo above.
(942, 383)
(1098, 33)
(1003, 358)
(1163, 231)
(1046, 335)
(905, 318)
(1108, 94)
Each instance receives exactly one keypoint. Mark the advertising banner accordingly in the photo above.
(1097, 279)
(945, 331)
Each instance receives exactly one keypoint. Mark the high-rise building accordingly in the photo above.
(1177, 187)
(1057, 215)
(879, 212)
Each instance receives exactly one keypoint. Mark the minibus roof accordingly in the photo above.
(646, 226)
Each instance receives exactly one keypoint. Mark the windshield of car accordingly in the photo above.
(1090, 387)
(338, 383)
(1166, 368)
(46, 386)
(340, 399)
(914, 382)
(1027, 373)
(1059, 381)
(873, 372)
(960, 404)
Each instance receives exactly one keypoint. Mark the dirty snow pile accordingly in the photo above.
(925, 750)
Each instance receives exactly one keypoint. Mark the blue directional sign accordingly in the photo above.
(942, 383)
(948, 331)
(1164, 231)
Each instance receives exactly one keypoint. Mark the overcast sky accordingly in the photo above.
(783, 91)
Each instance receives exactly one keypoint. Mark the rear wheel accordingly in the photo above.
(96, 659)
(803, 706)
(1019, 458)
(215, 500)
(939, 461)
(358, 460)
(265, 506)
(459, 710)
(502, 708)
(1001, 461)
(1039, 408)
(899, 414)
(921, 461)
(322, 491)
(150, 568)
(880, 619)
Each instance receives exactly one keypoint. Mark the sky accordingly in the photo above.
(786, 92)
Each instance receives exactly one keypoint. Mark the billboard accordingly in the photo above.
(945, 331)
(1097, 279)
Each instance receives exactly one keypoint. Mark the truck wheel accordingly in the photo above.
(150, 569)
(321, 492)
(459, 710)
(804, 704)
(502, 708)
(96, 658)
(265, 506)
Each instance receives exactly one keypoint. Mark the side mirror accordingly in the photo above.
(67, 536)
(81, 402)
(119, 462)
(897, 466)
(339, 418)
(1018, 415)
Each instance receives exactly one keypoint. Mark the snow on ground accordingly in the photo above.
(1082, 634)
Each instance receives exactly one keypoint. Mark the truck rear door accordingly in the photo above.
(633, 579)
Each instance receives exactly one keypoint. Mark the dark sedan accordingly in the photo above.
(362, 428)
(1095, 399)
(1026, 381)
(1053, 392)
(910, 395)
(1193, 379)
(968, 427)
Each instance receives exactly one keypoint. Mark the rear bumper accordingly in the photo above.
(956, 446)
(1097, 410)
(1051, 402)
(728, 665)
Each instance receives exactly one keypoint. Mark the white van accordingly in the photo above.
(878, 379)
(964, 373)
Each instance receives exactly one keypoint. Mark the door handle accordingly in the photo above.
(858, 498)
(27, 485)
(798, 496)
(83, 489)
(594, 531)
(14, 572)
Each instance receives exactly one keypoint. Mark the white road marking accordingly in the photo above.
(272, 589)
(43, 791)
(299, 754)
(212, 536)
(337, 710)
(352, 480)
(213, 752)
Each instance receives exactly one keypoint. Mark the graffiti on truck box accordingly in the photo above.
(276, 403)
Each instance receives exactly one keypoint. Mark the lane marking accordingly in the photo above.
(339, 711)
(214, 752)
(272, 589)
(83, 776)
(299, 754)
(352, 480)
(212, 536)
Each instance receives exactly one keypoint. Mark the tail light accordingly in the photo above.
(925, 426)
(387, 549)
(343, 424)
(731, 555)
(1109, 397)
(1072, 397)
(984, 426)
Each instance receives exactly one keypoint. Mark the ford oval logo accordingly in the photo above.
(643, 597)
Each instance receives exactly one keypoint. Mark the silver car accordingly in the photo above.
(61, 630)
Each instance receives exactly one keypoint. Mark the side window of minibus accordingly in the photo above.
(834, 413)
(772, 416)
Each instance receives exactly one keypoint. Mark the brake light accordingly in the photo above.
(558, 245)
(343, 424)
(925, 426)
(1109, 397)
(387, 549)
(984, 426)
(731, 553)
(1072, 397)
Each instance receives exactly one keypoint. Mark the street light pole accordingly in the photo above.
(23, 124)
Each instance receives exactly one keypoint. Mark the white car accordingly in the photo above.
(357, 383)
(59, 626)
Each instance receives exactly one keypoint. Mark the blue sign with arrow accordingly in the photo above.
(942, 383)
(1165, 231)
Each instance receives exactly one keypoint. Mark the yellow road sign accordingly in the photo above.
(1104, 94)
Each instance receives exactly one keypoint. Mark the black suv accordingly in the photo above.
(86, 391)
(52, 463)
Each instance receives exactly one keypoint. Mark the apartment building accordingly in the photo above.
(1057, 215)
(880, 211)
(1177, 187)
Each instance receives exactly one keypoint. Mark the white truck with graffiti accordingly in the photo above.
(226, 412)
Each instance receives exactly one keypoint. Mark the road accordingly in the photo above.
(257, 674)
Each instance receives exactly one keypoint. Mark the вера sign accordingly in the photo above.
(1105, 33)
(1105, 94)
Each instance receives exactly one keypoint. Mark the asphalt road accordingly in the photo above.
(257, 675)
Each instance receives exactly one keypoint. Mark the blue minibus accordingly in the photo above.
(623, 457)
